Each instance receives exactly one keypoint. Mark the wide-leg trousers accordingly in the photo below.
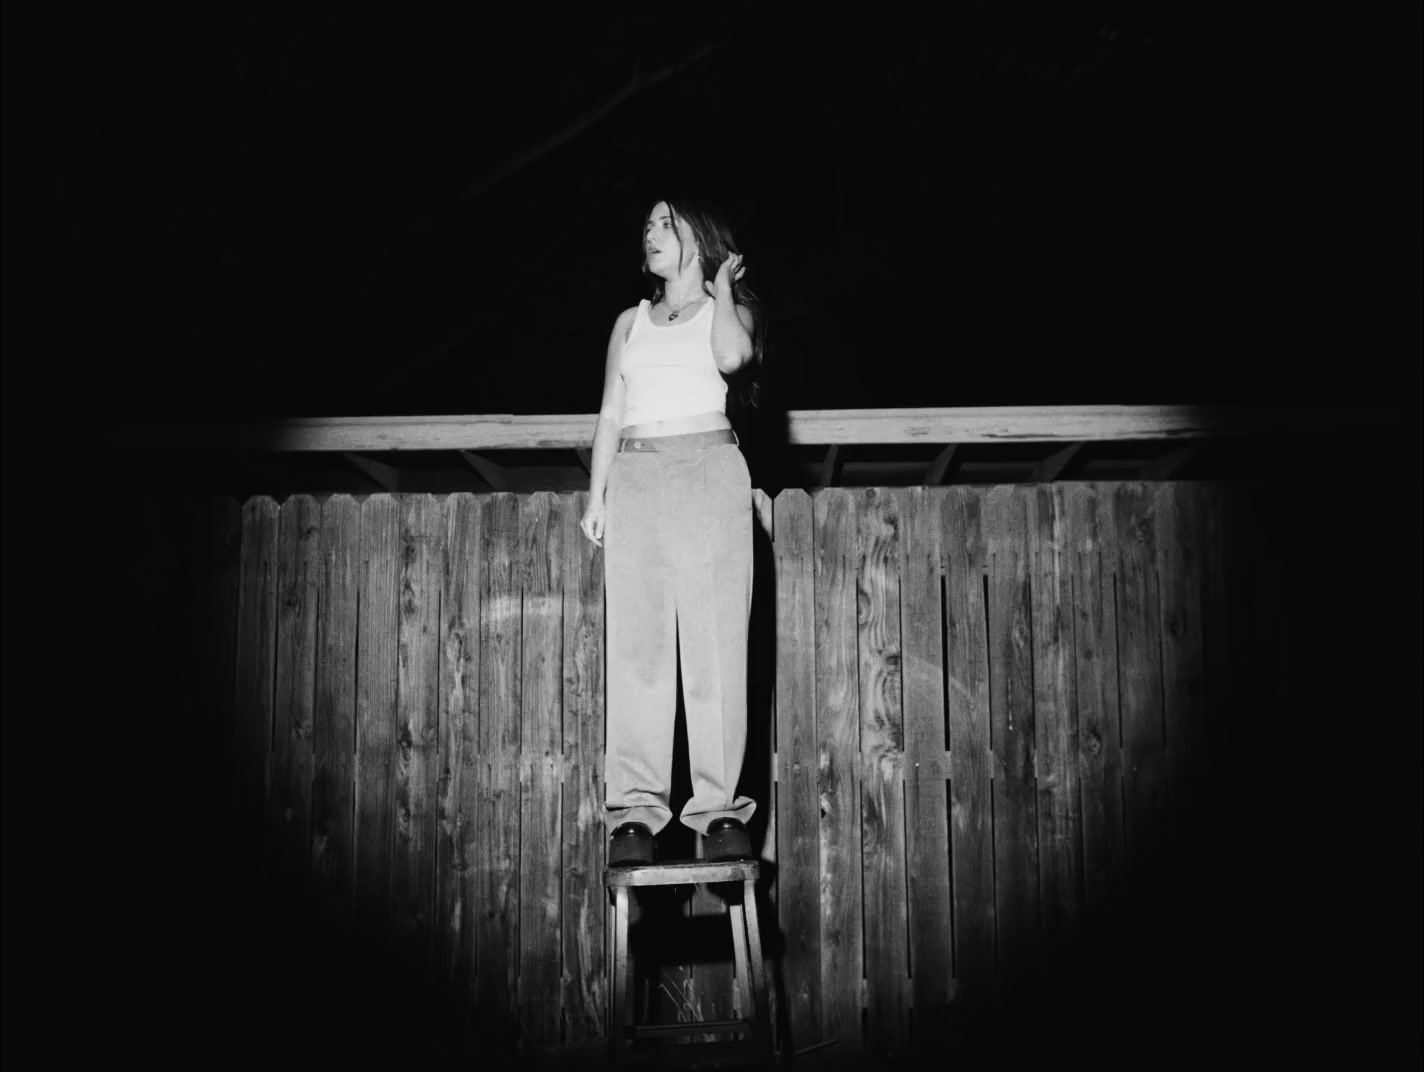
(678, 581)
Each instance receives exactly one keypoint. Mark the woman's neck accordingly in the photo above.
(683, 291)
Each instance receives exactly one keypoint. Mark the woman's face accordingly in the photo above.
(660, 243)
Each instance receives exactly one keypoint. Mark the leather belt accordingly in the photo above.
(686, 441)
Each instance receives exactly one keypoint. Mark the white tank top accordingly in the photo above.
(668, 371)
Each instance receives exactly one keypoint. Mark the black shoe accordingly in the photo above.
(632, 845)
(727, 840)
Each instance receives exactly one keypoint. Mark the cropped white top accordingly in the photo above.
(668, 371)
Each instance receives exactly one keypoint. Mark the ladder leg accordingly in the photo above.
(618, 1018)
(758, 970)
(745, 998)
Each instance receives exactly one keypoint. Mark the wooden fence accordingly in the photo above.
(977, 713)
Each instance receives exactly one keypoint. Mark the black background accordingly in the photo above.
(299, 209)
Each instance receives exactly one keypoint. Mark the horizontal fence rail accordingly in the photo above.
(983, 709)
(989, 424)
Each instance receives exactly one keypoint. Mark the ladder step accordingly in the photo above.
(701, 1028)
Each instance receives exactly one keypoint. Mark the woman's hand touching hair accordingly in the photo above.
(729, 271)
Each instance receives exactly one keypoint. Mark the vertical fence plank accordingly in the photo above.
(970, 788)
(333, 845)
(500, 706)
(585, 981)
(256, 634)
(1179, 509)
(761, 683)
(926, 766)
(761, 713)
(798, 826)
(838, 771)
(1139, 670)
(376, 706)
(1090, 527)
(1056, 723)
(422, 561)
(298, 565)
(541, 767)
(1092, 592)
(459, 788)
(1012, 731)
(879, 519)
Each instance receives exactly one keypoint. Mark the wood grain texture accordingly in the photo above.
(541, 768)
(1179, 510)
(838, 770)
(458, 792)
(376, 682)
(931, 937)
(256, 635)
(417, 741)
(797, 796)
(759, 770)
(500, 710)
(1139, 671)
(585, 980)
(571, 431)
(879, 520)
(971, 787)
(1093, 548)
(1010, 619)
(298, 569)
(1055, 704)
(761, 680)
(479, 624)
(333, 847)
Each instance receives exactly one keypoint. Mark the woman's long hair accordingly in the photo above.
(714, 243)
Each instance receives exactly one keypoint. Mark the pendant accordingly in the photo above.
(672, 317)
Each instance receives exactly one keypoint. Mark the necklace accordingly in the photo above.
(673, 314)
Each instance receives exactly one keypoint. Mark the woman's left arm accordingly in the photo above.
(732, 324)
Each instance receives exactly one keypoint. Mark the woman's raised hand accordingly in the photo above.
(730, 270)
(593, 520)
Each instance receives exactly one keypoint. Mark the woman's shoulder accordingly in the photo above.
(628, 315)
(623, 326)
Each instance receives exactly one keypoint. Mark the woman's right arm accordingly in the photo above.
(605, 432)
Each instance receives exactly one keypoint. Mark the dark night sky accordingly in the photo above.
(300, 209)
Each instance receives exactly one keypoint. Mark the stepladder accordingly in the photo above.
(747, 1035)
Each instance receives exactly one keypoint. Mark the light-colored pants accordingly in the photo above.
(677, 554)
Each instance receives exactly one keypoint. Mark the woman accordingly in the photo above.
(670, 503)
